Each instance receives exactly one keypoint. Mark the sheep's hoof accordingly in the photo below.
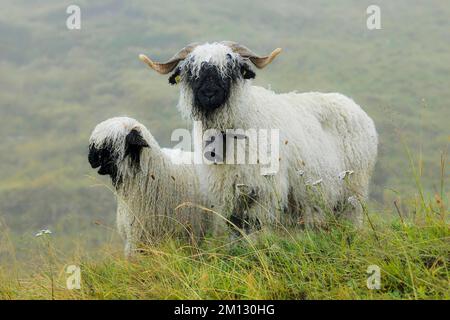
(243, 224)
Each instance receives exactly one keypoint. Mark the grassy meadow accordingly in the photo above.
(57, 84)
(331, 263)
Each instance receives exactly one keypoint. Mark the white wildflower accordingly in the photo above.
(42, 232)
(314, 183)
(345, 174)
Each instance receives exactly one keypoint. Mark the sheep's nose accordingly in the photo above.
(210, 93)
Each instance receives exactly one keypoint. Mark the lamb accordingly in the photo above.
(327, 143)
(149, 184)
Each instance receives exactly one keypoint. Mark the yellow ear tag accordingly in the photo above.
(177, 79)
(244, 73)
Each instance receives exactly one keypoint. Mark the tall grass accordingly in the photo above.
(312, 264)
(410, 243)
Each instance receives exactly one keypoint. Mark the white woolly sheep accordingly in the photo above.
(322, 135)
(149, 185)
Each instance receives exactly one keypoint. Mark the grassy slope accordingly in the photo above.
(413, 255)
(57, 84)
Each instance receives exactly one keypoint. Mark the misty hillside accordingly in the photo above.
(57, 84)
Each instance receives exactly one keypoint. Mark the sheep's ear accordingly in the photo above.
(246, 72)
(134, 143)
(134, 138)
(175, 78)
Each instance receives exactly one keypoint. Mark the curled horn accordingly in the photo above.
(168, 66)
(258, 61)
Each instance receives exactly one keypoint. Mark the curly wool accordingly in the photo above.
(149, 195)
(321, 135)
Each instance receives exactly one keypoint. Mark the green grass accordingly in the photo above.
(413, 254)
(57, 85)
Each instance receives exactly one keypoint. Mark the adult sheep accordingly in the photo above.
(323, 137)
(149, 183)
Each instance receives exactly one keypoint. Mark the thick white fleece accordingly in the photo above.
(147, 197)
(321, 136)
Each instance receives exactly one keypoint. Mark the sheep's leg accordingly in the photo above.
(242, 216)
(126, 225)
(314, 217)
(352, 211)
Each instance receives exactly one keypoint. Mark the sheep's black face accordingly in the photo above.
(211, 85)
(210, 89)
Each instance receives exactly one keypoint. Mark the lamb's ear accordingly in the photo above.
(134, 144)
(175, 77)
(134, 138)
(246, 72)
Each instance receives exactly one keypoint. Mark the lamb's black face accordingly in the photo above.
(210, 89)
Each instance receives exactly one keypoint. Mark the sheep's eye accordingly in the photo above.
(246, 72)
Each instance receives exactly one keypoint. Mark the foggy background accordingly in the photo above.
(57, 84)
